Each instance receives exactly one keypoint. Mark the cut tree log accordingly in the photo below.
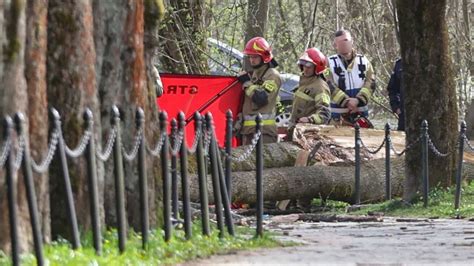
(328, 182)
(301, 160)
(336, 147)
(331, 174)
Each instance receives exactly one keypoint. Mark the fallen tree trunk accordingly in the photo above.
(274, 155)
(331, 182)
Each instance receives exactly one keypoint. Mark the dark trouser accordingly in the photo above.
(401, 122)
(247, 139)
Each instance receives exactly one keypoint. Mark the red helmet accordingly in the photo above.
(259, 46)
(315, 57)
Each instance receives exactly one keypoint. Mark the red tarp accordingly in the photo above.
(190, 93)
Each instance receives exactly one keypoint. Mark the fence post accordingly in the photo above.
(225, 196)
(388, 144)
(424, 158)
(357, 165)
(215, 176)
(92, 182)
(202, 175)
(11, 192)
(30, 191)
(259, 173)
(142, 177)
(174, 172)
(228, 151)
(462, 133)
(71, 209)
(166, 177)
(184, 178)
(119, 180)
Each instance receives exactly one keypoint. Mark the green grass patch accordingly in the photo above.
(440, 204)
(159, 252)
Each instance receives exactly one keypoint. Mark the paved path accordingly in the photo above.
(392, 242)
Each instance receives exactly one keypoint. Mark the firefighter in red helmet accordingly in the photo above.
(312, 97)
(261, 88)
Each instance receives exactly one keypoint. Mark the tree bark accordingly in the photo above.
(257, 16)
(256, 22)
(13, 94)
(35, 73)
(331, 182)
(71, 89)
(185, 38)
(121, 70)
(429, 82)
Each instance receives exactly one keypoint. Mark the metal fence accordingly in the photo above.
(170, 149)
(425, 144)
(15, 156)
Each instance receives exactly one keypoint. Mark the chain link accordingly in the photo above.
(5, 151)
(156, 151)
(248, 150)
(131, 156)
(369, 150)
(468, 144)
(53, 144)
(408, 147)
(207, 142)
(435, 150)
(19, 154)
(109, 145)
(81, 147)
(178, 140)
(197, 136)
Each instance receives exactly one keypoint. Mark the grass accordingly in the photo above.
(175, 251)
(441, 205)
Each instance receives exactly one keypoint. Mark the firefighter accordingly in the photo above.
(261, 88)
(312, 97)
(396, 95)
(351, 82)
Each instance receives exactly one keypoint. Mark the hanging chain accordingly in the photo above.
(5, 151)
(156, 151)
(248, 150)
(178, 140)
(435, 150)
(197, 136)
(19, 154)
(408, 147)
(131, 156)
(369, 150)
(207, 142)
(109, 145)
(468, 144)
(53, 144)
(81, 147)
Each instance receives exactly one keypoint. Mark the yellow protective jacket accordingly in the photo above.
(264, 80)
(312, 99)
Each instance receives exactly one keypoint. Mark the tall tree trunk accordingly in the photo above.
(14, 98)
(154, 13)
(185, 37)
(428, 79)
(467, 33)
(255, 25)
(121, 72)
(71, 89)
(35, 73)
